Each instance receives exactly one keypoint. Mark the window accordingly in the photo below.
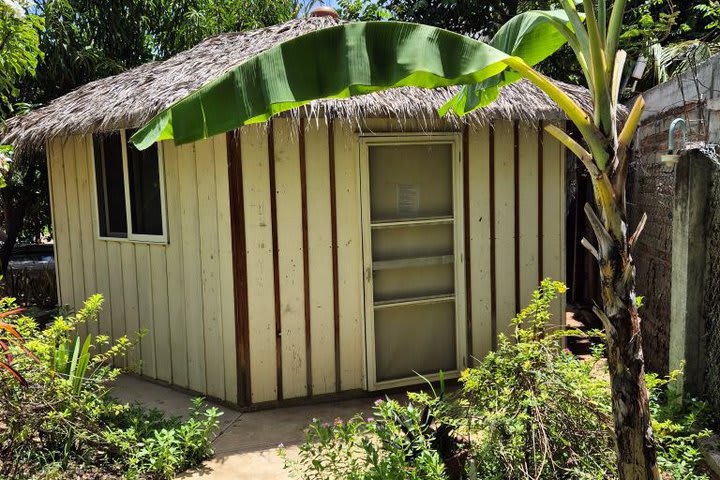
(130, 193)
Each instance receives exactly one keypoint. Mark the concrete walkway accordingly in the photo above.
(246, 447)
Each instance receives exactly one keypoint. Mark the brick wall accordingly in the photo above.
(650, 190)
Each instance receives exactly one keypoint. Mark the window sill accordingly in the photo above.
(141, 240)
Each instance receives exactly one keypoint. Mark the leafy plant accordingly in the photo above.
(396, 442)
(529, 410)
(167, 445)
(65, 424)
(9, 337)
(540, 412)
(679, 423)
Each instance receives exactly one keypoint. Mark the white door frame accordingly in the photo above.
(454, 140)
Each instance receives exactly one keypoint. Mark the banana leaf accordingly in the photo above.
(346, 60)
(532, 36)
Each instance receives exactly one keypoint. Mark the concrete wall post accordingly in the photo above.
(687, 329)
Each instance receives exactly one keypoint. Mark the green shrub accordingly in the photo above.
(529, 410)
(65, 424)
(394, 443)
(537, 410)
(678, 425)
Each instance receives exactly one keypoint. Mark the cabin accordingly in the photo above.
(341, 248)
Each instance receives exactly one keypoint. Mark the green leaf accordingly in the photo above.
(532, 36)
(73, 362)
(337, 62)
(82, 364)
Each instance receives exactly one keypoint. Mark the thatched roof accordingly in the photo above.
(132, 98)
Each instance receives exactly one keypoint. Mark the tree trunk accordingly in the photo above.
(633, 429)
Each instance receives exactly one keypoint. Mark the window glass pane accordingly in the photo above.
(144, 178)
(110, 185)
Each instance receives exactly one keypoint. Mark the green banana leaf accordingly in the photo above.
(532, 36)
(341, 61)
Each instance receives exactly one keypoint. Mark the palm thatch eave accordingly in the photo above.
(132, 98)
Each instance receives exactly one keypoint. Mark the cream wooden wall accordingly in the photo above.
(180, 292)
(280, 346)
(289, 379)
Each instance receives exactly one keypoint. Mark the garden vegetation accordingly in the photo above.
(58, 419)
(529, 410)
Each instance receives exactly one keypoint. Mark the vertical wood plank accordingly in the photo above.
(175, 270)
(117, 303)
(145, 309)
(528, 189)
(320, 259)
(302, 151)
(102, 275)
(210, 264)
(85, 215)
(261, 303)
(239, 268)
(332, 172)
(479, 213)
(289, 223)
(130, 298)
(192, 267)
(63, 254)
(350, 268)
(516, 213)
(554, 216)
(276, 259)
(160, 315)
(75, 238)
(466, 244)
(225, 274)
(540, 167)
(103, 288)
(504, 226)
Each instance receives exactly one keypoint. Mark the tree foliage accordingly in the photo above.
(674, 35)
(174, 26)
(19, 48)
(63, 44)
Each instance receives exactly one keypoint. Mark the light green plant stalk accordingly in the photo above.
(373, 56)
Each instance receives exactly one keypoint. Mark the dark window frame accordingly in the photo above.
(101, 192)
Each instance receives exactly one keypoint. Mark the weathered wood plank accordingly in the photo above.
(209, 257)
(192, 267)
(528, 177)
(130, 298)
(75, 237)
(145, 308)
(117, 303)
(175, 271)
(290, 250)
(102, 275)
(479, 173)
(63, 254)
(85, 215)
(160, 314)
(320, 259)
(225, 267)
(261, 304)
(350, 268)
(554, 216)
(504, 225)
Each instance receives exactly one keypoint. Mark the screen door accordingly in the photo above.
(411, 254)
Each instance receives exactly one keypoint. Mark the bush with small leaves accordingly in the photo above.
(64, 423)
(528, 410)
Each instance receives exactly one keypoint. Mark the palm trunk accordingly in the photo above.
(633, 429)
